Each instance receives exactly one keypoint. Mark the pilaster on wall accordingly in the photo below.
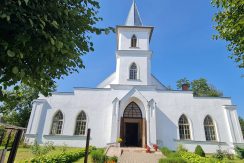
(233, 124)
(115, 121)
(151, 123)
(38, 107)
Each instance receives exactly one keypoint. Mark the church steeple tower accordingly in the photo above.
(133, 18)
(133, 56)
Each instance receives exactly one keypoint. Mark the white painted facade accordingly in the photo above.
(160, 108)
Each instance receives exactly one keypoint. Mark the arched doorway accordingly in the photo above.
(133, 127)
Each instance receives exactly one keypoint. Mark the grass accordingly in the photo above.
(82, 160)
(25, 154)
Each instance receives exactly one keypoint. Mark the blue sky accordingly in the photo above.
(182, 46)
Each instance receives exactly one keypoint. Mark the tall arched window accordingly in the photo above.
(209, 129)
(57, 124)
(184, 128)
(80, 127)
(133, 71)
(133, 41)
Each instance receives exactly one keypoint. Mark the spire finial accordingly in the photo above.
(133, 18)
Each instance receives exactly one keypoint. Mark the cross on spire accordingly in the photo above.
(133, 18)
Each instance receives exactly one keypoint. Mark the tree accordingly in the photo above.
(44, 40)
(200, 87)
(230, 27)
(16, 110)
(183, 81)
(241, 120)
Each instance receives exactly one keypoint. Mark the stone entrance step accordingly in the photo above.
(138, 155)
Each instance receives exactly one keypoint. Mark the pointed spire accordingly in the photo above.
(133, 18)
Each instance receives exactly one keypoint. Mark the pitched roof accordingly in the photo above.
(133, 18)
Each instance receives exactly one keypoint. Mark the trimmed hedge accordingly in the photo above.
(199, 151)
(172, 160)
(194, 158)
(65, 157)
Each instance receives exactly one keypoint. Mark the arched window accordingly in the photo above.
(184, 128)
(133, 41)
(80, 127)
(209, 129)
(133, 72)
(132, 111)
(57, 124)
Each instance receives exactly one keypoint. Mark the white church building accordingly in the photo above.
(133, 105)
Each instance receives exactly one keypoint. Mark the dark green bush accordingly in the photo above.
(239, 152)
(98, 156)
(199, 151)
(172, 160)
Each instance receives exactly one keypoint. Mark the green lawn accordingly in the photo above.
(25, 154)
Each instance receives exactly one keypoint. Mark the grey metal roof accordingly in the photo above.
(133, 18)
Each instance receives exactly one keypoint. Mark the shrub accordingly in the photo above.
(181, 148)
(98, 156)
(168, 153)
(219, 154)
(239, 152)
(192, 157)
(64, 147)
(37, 150)
(199, 151)
(172, 160)
(60, 158)
(228, 155)
(119, 140)
(114, 159)
(165, 151)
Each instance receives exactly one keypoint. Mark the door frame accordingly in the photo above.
(141, 129)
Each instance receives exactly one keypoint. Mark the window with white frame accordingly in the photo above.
(209, 129)
(80, 128)
(133, 72)
(184, 128)
(57, 123)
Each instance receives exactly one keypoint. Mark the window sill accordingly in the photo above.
(134, 47)
(135, 80)
(200, 142)
(65, 136)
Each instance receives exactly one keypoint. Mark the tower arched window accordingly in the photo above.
(184, 128)
(133, 72)
(80, 127)
(209, 129)
(57, 124)
(134, 41)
